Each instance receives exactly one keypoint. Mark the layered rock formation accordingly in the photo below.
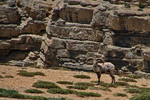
(75, 30)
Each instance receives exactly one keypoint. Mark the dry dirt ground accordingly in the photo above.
(21, 83)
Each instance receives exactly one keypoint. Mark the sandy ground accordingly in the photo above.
(21, 83)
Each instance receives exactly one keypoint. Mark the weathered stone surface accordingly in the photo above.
(75, 30)
(77, 66)
(57, 43)
(82, 46)
(76, 15)
(100, 19)
(4, 45)
(9, 15)
(142, 74)
(18, 55)
(8, 31)
(73, 2)
(63, 53)
(30, 26)
(11, 3)
(125, 22)
(76, 33)
(146, 56)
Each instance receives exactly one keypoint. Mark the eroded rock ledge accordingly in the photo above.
(65, 33)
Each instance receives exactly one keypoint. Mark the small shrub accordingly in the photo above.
(127, 80)
(100, 88)
(143, 96)
(101, 82)
(64, 82)
(107, 85)
(141, 5)
(61, 91)
(30, 74)
(7, 93)
(23, 68)
(1, 76)
(134, 76)
(106, 98)
(133, 86)
(33, 91)
(9, 76)
(38, 67)
(59, 68)
(132, 90)
(3, 72)
(84, 84)
(143, 89)
(122, 84)
(120, 94)
(6, 64)
(87, 94)
(15, 94)
(78, 87)
(40, 73)
(45, 84)
(25, 73)
(127, 5)
(82, 76)
(144, 85)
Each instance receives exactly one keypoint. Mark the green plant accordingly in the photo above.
(45, 84)
(38, 67)
(133, 86)
(78, 87)
(141, 5)
(87, 94)
(133, 76)
(122, 84)
(127, 5)
(137, 90)
(9, 76)
(82, 76)
(30, 74)
(144, 85)
(1, 76)
(6, 64)
(107, 85)
(101, 82)
(15, 94)
(106, 98)
(59, 68)
(132, 90)
(33, 91)
(120, 94)
(64, 82)
(100, 88)
(7, 93)
(39, 73)
(84, 84)
(127, 80)
(143, 96)
(61, 91)
(3, 72)
(23, 68)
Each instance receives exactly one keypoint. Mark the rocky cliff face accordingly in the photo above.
(65, 33)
